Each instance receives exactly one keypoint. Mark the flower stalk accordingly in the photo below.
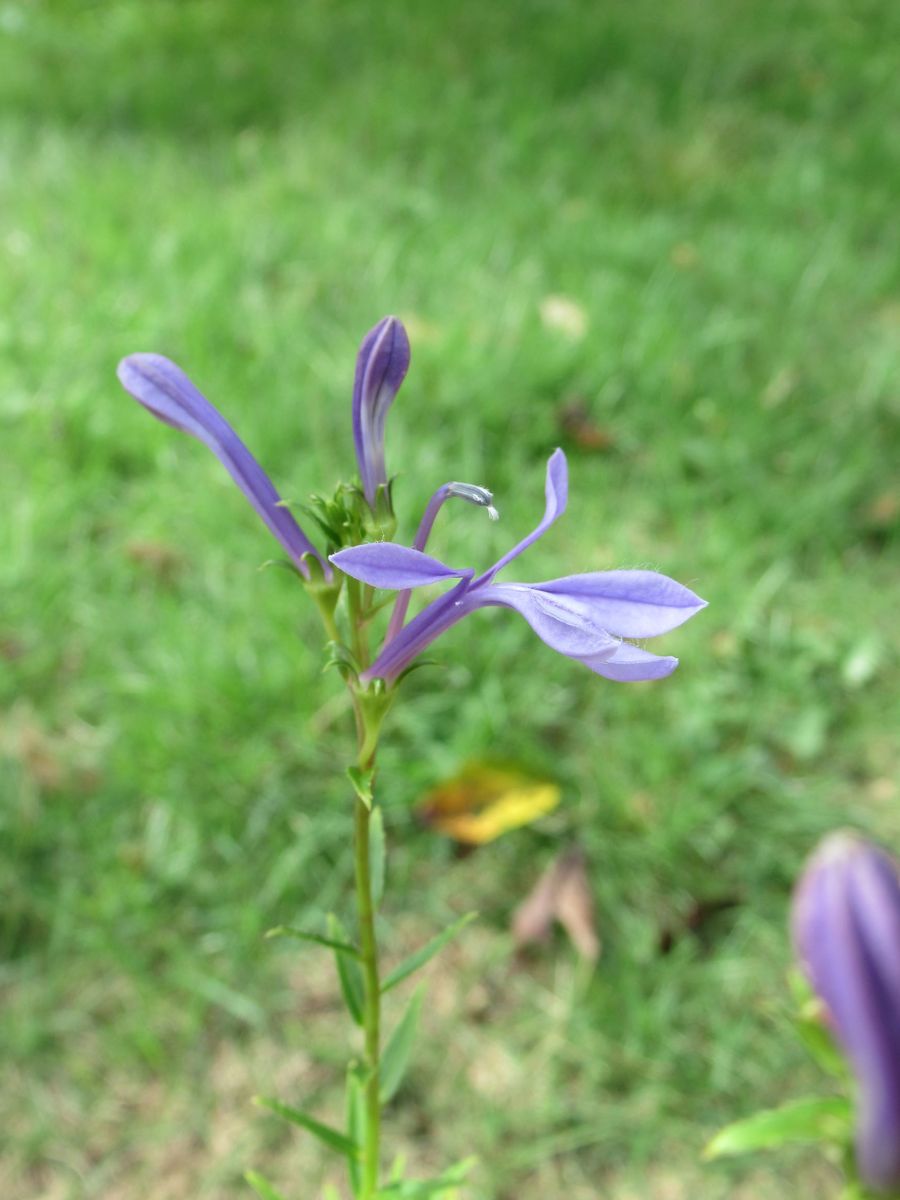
(368, 944)
(593, 619)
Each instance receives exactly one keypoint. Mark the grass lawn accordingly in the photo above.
(676, 220)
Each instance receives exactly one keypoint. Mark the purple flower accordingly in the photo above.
(381, 367)
(846, 929)
(165, 390)
(585, 617)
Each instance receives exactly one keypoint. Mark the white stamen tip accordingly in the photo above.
(475, 495)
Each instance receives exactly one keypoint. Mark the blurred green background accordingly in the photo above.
(662, 236)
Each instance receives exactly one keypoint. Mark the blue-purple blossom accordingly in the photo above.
(166, 392)
(585, 617)
(381, 367)
(846, 929)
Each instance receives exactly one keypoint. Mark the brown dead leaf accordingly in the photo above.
(562, 894)
(697, 921)
(482, 802)
(575, 421)
(158, 559)
(884, 510)
(684, 255)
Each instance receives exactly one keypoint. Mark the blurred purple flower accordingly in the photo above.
(584, 617)
(846, 929)
(166, 392)
(381, 367)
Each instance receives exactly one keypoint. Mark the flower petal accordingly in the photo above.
(567, 628)
(387, 565)
(631, 664)
(630, 603)
(846, 929)
(165, 391)
(381, 367)
(422, 630)
(556, 488)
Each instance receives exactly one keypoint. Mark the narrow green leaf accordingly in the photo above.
(356, 1120)
(395, 1059)
(349, 974)
(815, 1119)
(362, 783)
(812, 1028)
(302, 936)
(235, 1003)
(261, 1186)
(423, 1189)
(425, 953)
(331, 1137)
(377, 853)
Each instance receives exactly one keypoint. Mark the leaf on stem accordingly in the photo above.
(362, 783)
(261, 1186)
(396, 1055)
(425, 953)
(349, 973)
(302, 936)
(563, 894)
(816, 1119)
(424, 1189)
(356, 1120)
(331, 1137)
(377, 855)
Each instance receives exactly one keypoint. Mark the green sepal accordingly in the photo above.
(338, 655)
(349, 974)
(425, 953)
(323, 592)
(261, 1186)
(302, 936)
(332, 1138)
(813, 1119)
(377, 855)
(341, 517)
(416, 666)
(382, 524)
(374, 703)
(395, 1058)
(424, 1189)
(362, 779)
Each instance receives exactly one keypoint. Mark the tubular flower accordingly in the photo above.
(381, 367)
(846, 930)
(585, 617)
(166, 392)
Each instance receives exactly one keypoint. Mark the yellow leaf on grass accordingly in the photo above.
(483, 802)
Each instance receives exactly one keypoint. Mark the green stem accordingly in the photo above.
(372, 1007)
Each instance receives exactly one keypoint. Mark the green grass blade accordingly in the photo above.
(396, 1055)
(331, 1137)
(425, 953)
(261, 1186)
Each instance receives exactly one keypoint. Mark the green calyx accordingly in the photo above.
(373, 703)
